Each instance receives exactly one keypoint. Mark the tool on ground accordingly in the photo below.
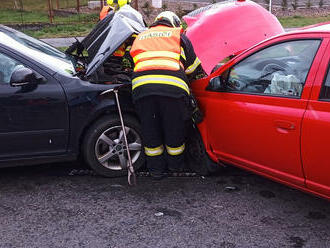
(87, 172)
(130, 169)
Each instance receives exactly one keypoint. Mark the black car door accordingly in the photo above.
(33, 118)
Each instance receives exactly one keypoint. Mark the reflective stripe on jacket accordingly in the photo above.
(163, 58)
(160, 79)
(157, 49)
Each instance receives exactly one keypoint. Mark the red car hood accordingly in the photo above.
(227, 28)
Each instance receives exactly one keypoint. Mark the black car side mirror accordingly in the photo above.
(24, 76)
(217, 84)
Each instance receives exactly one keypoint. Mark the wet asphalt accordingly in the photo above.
(43, 206)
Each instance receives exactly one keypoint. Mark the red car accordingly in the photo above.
(267, 109)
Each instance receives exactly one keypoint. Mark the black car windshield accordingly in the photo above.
(38, 50)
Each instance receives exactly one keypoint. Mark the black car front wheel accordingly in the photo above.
(196, 155)
(104, 147)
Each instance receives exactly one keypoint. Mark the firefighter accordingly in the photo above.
(164, 59)
(105, 11)
(121, 55)
(114, 5)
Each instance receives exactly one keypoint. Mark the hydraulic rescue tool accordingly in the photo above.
(130, 169)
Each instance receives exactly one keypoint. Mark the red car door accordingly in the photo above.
(253, 118)
(316, 131)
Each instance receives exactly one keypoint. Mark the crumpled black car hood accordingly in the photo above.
(109, 34)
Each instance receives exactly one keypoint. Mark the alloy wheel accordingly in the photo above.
(110, 149)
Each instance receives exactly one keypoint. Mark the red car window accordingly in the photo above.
(279, 70)
(325, 94)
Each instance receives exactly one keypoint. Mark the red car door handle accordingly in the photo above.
(287, 125)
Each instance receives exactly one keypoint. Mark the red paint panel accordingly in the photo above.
(316, 135)
(257, 131)
(229, 28)
(282, 138)
(315, 146)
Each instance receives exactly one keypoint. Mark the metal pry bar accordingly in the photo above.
(131, 177)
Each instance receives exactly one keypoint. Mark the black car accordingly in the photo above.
(51, 107)
(49, 114)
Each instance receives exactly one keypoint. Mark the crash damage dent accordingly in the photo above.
(227, 28)
(101, 65)
(124, 23)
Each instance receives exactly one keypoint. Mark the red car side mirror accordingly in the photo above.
(216, 84)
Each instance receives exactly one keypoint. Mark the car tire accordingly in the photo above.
(197, 157)
(104, 148)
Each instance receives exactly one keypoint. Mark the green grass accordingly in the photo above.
(300, 21)
(67, 30)
(31, 5)
(73, 25)
(62, 48)
(28, 17)
(80, 25)
(81, 29)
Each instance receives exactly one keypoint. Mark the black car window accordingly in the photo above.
(325, 93)
(38, 51)
(33, 43)
(7, 66)
(278, 70)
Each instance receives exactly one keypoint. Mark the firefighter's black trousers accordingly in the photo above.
(162, 120)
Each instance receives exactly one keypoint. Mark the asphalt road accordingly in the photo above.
(42, 206)
(61, 42)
